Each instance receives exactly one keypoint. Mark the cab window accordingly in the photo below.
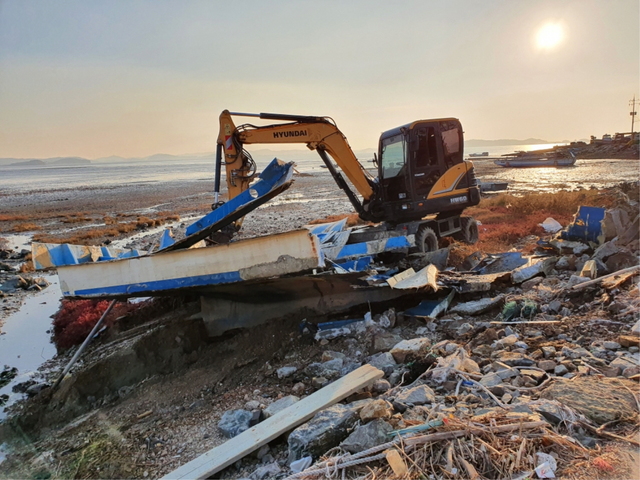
(392, 156)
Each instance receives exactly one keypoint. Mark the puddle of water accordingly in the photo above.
(18, 241)
(25, 343)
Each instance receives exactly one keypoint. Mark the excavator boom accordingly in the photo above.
(317, 133)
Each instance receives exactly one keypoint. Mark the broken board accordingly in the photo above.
(241, 445)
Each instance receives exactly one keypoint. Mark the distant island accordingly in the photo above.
(506, 142)
(34, 162)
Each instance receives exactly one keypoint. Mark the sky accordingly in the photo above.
(139, 77)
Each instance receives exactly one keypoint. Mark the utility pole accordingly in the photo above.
(632, 104)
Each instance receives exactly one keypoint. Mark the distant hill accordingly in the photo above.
(36, 162)
(504, 142)
(28, 163)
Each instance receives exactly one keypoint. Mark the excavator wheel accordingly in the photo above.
(468, 230)
(426, 240)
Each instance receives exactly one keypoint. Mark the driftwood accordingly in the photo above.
(590, 283)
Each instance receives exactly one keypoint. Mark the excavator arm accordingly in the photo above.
(318, 133)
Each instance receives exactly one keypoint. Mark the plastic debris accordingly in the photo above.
(301, 465)
(551, 225)
(547, 466)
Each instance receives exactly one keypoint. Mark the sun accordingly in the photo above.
(549, 36)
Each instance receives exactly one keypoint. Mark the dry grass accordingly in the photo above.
(507, 219)
(25, 227)
(80, 217)
(13, 218)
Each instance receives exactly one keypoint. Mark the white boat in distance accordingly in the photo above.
(546, 158)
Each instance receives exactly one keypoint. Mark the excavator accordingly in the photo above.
(422, 187)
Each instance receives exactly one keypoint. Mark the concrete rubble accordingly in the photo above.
(524, 355)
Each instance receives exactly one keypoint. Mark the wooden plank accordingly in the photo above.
(233, 450)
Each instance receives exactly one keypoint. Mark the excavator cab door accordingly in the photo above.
(393, 169)
(426, 159)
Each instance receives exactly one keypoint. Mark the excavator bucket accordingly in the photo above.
(274, 179)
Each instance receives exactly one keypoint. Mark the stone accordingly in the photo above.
(298, 389)
(554, 306)
(623, 362)
(464, 329)
(536, 375)
(567, 262)
(376, 409)
(611, 345)
(408, 350)
(600, 399)
(516, 359)
(367, 436)
(468, 365)
(610, 371)
(505, 372)
(383, 361)
(621, 260)
(328, 355)
(629, 341)
(385, 341)
(548, 351)
(606, 250)
(285, 372)
(266, 471)
(419, 395)
(324, 431)
(279, 405)
(319, 382)
(490, 380)
(330, 369)
(537, 267)
(477, 307)
(234, 422)
(529, 284)
(252, 405)
(575, 353)
(627, 373)
(560, 370)
(381, 386)
(547, 365)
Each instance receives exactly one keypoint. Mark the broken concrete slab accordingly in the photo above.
(534, 266)
(409, 349)
(477, 307)
(601, 400)
(410, 279)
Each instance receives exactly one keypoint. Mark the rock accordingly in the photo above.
(419, 395)
(385, 341)
(529, 284)
(536, 267)
(328, 355)
(491, 380)
(621, 260)
(330, 369)
(627, 373)
(279, 405)
(568, 262)
(324, 431)
(252, 405)
(554, 306)
(468, 365)
(388, 319)
(266, 471)
(319, 382)
(629, 341)
(507, 373)
(464, 329)
(376, 409)
(548, 351)
(477, 307)
(551, 411)
(547, 365)
(298, 389)
(516, 359)
(507, 341)
(605, 250)
(600, 399)
(285, 372)
(408, 350)
(383, 361)
(234, 422)
(560, 370)
(611, 345)
(576, 280)
(380, 386)
(367, 436)
(575, 352)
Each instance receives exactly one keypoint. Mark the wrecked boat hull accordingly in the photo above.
(193, 269)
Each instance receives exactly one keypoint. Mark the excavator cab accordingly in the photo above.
(421, 171)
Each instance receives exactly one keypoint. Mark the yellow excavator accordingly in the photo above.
(423, 183)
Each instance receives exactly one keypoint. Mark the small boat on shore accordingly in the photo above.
(537, 159)
(483, 154)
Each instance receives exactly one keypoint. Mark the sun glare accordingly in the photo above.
(549, 36)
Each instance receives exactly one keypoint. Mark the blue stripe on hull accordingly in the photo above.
(159, 285)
